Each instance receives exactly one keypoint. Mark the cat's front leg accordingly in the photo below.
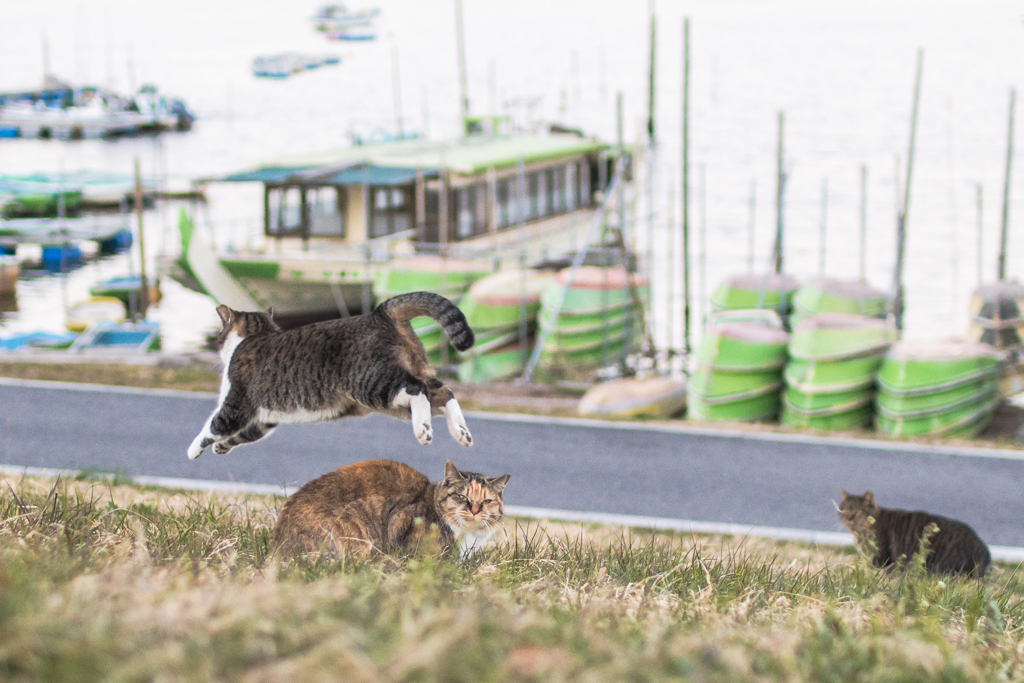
(452, 412)
(419, 409)
(200, 443)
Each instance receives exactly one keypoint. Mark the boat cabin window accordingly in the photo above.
(471, 211)
(284, 211)
(390, 210)
(326, 214)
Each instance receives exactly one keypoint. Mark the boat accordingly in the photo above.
(829, 295)
(591, 317)
(739, 374)
(9, 270)
(85, 313)
(37, 340)
(63, 231)
(945, 388)
(126, 288)
(286, 64)
(925, 367)
(501, 299)
(121, 337)
(773, 291)
(834, 358)
(337, 17)
(373, 207)
(997, 315)
(840, 335)
(648, 397)
(758, 316)
(63, 111)
(743, 346)
(490, 362)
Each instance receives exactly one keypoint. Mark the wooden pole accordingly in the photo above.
(143, 282)
(863, 221)
(703, 246)
(901, 224)
(1004, 230)
(686, 187)
(396, 85)
(979, 233)
(671, 272)
(460, 38)
(780, 182)
(650, 79)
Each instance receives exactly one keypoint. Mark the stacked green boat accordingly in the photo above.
(493, 307)
(830, 378)
(448, 277)
(945, 388)
(837, 296)
(592, 319)
(773, 291)
(739, 374)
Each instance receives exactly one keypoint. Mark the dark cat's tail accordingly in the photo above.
(405, 307)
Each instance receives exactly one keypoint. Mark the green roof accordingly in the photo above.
(469, 155)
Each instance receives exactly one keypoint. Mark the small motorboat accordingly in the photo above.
(94, 309)
(105, 335)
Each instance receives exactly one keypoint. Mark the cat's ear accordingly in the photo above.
(270, 312)
(845, 494)
(451, 471)
(227, 316)
(869, 499)
(498, 483)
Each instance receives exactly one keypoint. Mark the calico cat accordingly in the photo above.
(385, 506)
(954, 548)
(333, 369)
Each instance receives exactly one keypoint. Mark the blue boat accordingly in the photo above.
(105, 335)
(37, 340)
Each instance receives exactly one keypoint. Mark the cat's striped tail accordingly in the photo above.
(405, 307)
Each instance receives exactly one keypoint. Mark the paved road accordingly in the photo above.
(633, 471)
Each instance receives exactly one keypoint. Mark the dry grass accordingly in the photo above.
(116, 582)
(187, 378)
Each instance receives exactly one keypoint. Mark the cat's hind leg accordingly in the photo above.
(443, 400)
(419, 410)
(254, 432)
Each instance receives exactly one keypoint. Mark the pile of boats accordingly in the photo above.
(289, 63)
(337, 22)
(63, 111)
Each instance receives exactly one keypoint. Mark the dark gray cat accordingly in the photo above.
(953, 549)
(329, 370)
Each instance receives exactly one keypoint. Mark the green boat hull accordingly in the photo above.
(501, 363)
(754, 409)
(840, 335)
(849, 419)
(835, 296)
(914, 405)
(901, 373)
(743, 346)
(821, 403)
(588, 358)
(588, 301)
(715, 386)
(964, 420)
(831, 376)
(586, 321)
(484, 316)
(773, 292)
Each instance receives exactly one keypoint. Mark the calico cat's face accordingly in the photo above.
(244, 324)
(855, 510)
(470, 502)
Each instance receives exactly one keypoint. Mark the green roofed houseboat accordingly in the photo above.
(336, 224)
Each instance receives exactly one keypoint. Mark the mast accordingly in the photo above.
(686, 187)
(460, 38)
(1006, 191)
(780, 182)
(650, 80)
(901, 223)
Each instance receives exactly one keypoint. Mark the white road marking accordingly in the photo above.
(999, 552)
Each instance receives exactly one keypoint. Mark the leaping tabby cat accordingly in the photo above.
(330, 370)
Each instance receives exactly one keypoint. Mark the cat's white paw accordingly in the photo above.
(199, 445)
(424, 432)
(457, 423)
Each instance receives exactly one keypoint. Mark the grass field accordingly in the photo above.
(107, 580)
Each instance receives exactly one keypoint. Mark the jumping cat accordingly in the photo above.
(384, 506)
(333, 369)
(954, 548)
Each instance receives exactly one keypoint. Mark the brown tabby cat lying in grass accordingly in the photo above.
(329, 370)
(385, 506)
(953, 549)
